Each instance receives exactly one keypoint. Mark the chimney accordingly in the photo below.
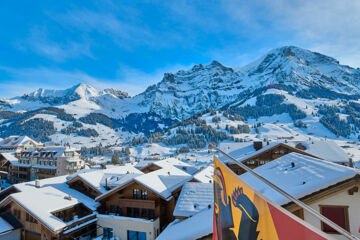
(68, 197)
(258, 145)
(351, 162)
(37, 183)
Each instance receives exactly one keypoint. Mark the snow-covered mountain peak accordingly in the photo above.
(302, 69)
(85, 90)
(56, 97)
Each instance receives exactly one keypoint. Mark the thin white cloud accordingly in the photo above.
(126, 33)
(331, 27)
(59, 51)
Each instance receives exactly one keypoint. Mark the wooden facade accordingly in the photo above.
(19, 174)
(150, 168)
(264, 157)
(136, 200)
(41, 173)
(79, 185)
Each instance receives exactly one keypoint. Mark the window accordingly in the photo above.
(112, 209)
(107, 233)
(136, 194)
(144, 213)
(29, 218)
(69, 154)
(151, 213)
(337, 214)
(17, 213)
(144, 195)
(133, 235)
(119, 211)
(129, 212)
(136, 212)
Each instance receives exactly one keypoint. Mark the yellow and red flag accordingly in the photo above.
(241, 213)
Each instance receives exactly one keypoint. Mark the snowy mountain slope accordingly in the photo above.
(302, 91)
(301, 69)
(214, 86)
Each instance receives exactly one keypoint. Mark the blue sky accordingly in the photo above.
(130, 44)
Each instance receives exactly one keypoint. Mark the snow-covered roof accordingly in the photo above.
(327, 150)
(16, 141)
(163, 181)
(5, 226)
(144, 163)
(18, 164)
(9, 156)
(186, 167)
(58, 150)
(164, 185)
(193, 198)
(195, 227)
(50, 197)
(170, 170)
(96, 177)
(206, 175)
(248, 151)
(308, 175)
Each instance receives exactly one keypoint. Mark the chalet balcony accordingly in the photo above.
(138, 203)
(20, 172)
(80, 221)
(73, 168)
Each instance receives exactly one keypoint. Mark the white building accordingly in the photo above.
(45, 162)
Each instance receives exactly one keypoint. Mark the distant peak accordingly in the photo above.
(53, 96)
(82, 86)
(215, 63)
(116, 92)
(301, 53)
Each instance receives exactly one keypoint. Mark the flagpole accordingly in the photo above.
(295, 200)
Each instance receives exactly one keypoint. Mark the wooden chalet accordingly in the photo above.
(49, 211)
(138, 200)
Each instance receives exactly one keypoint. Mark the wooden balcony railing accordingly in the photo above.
(137, 203)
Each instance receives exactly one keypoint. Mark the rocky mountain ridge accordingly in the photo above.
(309, 77)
